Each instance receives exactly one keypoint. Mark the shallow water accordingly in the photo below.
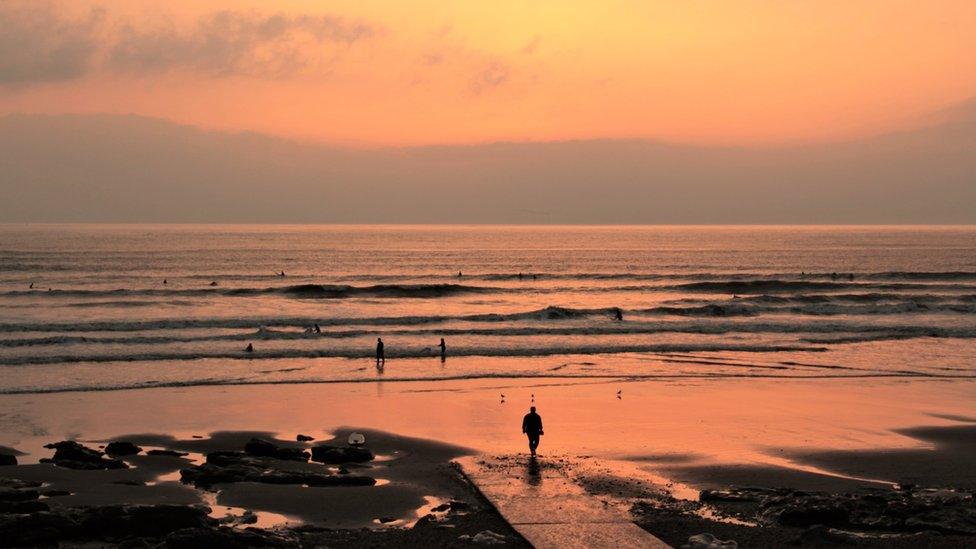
(696, 301)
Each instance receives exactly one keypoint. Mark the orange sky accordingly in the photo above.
(375, 72)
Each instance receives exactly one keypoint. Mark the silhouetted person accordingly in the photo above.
(380, 352)
(520, 276)
(249, 348)
(282, 273)
(459, 274)
(31, 287)
(850, 277)
(443, 347)
(318, 329)
(164, 281)
(618, 314)
(532, 427)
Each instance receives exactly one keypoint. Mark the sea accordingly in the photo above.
(106, 307)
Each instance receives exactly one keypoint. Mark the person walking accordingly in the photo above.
(532, 427)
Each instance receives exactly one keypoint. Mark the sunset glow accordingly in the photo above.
(407, 73)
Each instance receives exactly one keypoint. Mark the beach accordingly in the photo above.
(663, 436)
(766, 385)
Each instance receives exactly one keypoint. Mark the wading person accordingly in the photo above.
(532, 427)
(380, 353)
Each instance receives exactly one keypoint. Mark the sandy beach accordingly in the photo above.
(652, 450)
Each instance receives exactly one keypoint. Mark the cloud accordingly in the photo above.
(37, 45)
(495, 74)
(232, 42)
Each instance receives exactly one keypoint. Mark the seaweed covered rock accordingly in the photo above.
(230, 467)
(123, 521)
(122, 448)
(263, 448)
(341, 454)
(72, 455)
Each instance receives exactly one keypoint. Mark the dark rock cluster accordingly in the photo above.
(261, 462)
(72, 455)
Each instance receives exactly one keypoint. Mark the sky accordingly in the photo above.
(392, 78)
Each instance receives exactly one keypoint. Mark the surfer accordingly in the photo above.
(249, 348)
(318, 329)
(532, 427)
(618, 314)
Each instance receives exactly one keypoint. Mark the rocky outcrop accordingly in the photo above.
(171, 453)
(72, 455)
(122, 448)
(263, 448)
(341, 454)
(945, 511)
(230, 467)
(8, 459)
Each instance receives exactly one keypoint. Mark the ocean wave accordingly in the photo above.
(309, 291)
(777, 285)
(494, 351)
(475, 376)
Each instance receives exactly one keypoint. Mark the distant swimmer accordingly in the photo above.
(833, 276)
(520, 276)
(459, 274)
(214, 283)
(443, 347)
(850, 277)
(532, 428)
(318, 329)
(282, 273)
(618, 314)
(249, 348)
(380, 352)
(164, 281)
(534, 277)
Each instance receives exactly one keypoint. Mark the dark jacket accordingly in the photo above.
(532, 423)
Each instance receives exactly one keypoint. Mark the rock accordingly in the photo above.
(17, 483)
(226, 538)
(426, 521)
(230, 467)
(806, 510)
(386, 520)
(172, 453)
(123, 521)
(72, 455)
(55, 493)
(458, 506)
(441, 508)
(35, 529)
(739, 494)
(122, 448)
(7, 459)
(23, 507)
(263, 448)
(304, 438)
(485, 537)
(338, 454)
(821, 535)
(258, 447)
(708, 541)
(14, 494)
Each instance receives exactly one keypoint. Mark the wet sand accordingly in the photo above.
(670, 437)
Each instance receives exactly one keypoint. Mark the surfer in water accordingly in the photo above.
(532, 427)
(249, 348)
